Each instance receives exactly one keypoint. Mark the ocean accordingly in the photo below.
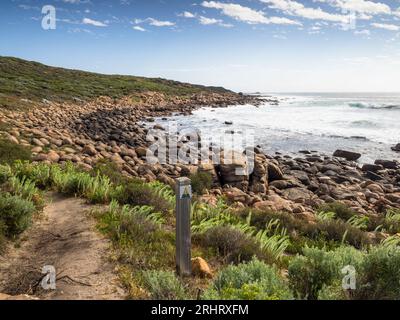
(368, 123)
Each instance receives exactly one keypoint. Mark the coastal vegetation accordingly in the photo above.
(255, 254)
(23, 82)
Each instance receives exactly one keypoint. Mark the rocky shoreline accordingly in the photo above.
(85, 133)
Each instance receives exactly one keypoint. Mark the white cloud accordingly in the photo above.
(93, 22)
(386, 26)
(364, 32)
(207, 21)
(155, 22)
(246, 14)
(210, 21)
(362, 6)
(187, 14)
(139, 28)
(298, 9)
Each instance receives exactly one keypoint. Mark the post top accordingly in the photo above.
(183, 181)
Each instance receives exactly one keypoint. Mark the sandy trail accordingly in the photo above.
(67, 239)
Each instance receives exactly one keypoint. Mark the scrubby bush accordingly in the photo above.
(97, 189)
(137, 231)
(124, 221)
(201, 181)
(105, 167)
(261, 218)
(163, 285)
(10, 152)
(342, 232)
(391, 221)
(231, 243)
(26, 189)
(72, 181)
(15, 214)
(318, 268)
(5, 173)
(139, 194)
(380, 275)
(309, 273)
(251, 281)
(68, 180)
(2, 236)
(340, 209)
(40, 173)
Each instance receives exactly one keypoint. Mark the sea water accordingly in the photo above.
(368, 123)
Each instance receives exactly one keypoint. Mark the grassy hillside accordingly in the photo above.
(20, 79)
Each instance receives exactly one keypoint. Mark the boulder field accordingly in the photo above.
(105, 128)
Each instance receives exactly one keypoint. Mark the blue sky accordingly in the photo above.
(244, 45)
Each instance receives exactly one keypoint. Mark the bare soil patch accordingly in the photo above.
(66, 238)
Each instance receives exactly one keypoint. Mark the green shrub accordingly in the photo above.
(10, 152)
(39, 173)
(105, 167)
(137, 233)
(97, 190)
(380, 275)
(310, 273)
(342, 232)
(140, 194)
(201, 181)
(391, 221)
(69, 181)
(273, 240)
(27, 190)
(163, 285)
(5, 173)
(232, 244)
(251, 281)
(341, 210)
(261, 218)
(15, 214)
(125, 222)
(2, 236)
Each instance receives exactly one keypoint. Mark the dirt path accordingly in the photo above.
(65, 238)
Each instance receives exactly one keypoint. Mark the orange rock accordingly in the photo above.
(201, 268)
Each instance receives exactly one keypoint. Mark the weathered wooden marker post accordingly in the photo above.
(183, 235)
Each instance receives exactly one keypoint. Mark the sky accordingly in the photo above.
(243, 45)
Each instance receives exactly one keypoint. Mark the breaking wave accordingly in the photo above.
(361, 105)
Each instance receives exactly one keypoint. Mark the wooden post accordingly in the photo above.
(183, 236)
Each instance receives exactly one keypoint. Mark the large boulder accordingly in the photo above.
(274, 203)
(141, 152)
(236, 195)
(90, 150)
(372, 167)
(396, 147)
(298, 195)
(232, 169)
(348, 155)
(53, 156)
(387, 164)
(274, 172)
(259, 177)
